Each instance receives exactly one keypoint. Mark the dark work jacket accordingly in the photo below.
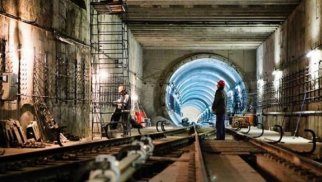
(127, 105)
(219, 104)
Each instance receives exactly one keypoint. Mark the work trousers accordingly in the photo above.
(220, 126)
(116, 117)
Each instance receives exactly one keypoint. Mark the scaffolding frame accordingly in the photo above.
(110, 59)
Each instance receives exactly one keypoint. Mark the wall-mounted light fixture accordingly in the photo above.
(314, 59)
(277, 79)
(277, 74)
(313, 54)
(260, 82)
(103, 74)
(260, 89)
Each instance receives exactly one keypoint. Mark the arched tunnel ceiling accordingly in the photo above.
(193, 86)
(205, 24)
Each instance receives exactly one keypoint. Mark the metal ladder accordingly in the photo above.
(110, 60)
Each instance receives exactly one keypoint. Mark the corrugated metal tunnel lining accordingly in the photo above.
(192, 86)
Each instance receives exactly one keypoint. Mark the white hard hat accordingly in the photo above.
(121, 88)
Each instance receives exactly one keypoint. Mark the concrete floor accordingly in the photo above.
(294, 143)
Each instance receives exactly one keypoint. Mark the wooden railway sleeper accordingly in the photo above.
(2, 151)
(303, 172)
(294, 163)
(67, 152)
(70, 156)
(16, 166)
(124, 151)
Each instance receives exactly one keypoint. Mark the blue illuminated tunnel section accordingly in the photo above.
(192, 86)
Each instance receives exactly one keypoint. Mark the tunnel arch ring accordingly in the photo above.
(202, 56)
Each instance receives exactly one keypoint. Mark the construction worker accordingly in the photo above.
(123, 106)
(219, 108)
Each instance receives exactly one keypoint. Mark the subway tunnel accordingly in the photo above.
(122, 90)
(191, 88)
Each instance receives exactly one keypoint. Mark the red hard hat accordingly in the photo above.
(221, 83)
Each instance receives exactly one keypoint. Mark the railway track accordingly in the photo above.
(177, 155)
(58, 164)
(271, 161)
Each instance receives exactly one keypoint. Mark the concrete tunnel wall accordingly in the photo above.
(286, 51)
(30, 30)
(158, 66)
(34, 40)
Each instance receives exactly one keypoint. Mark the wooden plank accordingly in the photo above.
(157, 158)
(178, 171)
(210, 150)
(229, 146)
(228, 143)
(230, 168)
(278, 170)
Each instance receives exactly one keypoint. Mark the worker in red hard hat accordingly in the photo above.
(219, 108)
(221, 83)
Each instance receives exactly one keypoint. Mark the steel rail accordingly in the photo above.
(201, 175)
(283, 153)
(80, 147)
(127, 168)
(66, 167)
(122, 168)
(60, 161)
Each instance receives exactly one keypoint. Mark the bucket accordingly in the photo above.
(139, 115)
